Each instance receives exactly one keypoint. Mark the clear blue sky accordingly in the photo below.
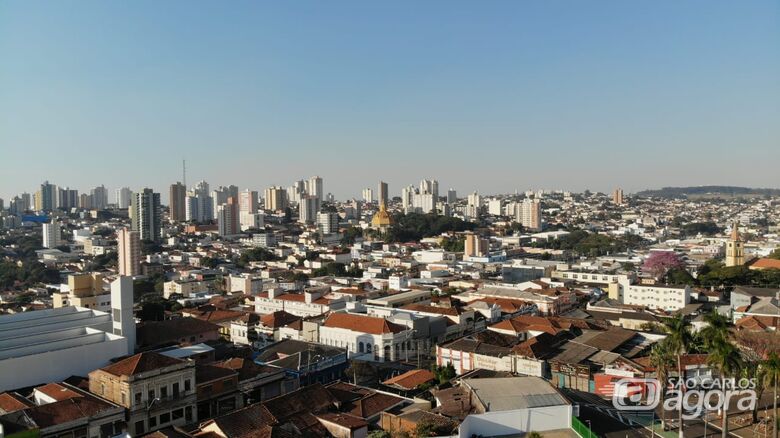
(495, 96)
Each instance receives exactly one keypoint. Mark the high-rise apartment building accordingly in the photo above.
(383, 198)
(315, 188)
(275, 198)
(328, 223)
(177, 211)
(99, 197)
(368, 195)
(52, 234)
(247, 201)
(308, 209)
(67, 198)
(430, 186)
(407, 198)
(228, 221)
(221, 195)
(475, 246)
(452, 196)
(495, 207)
(85, 201)
(617, 196)
(123, 197)
(145, 214)
(129, 249)
(46, 197)
(529, 214)
(198, 205)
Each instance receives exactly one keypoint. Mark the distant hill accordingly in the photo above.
(708, 192)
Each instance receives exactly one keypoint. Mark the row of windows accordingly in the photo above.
(164, 419)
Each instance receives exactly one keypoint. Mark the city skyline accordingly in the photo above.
(571, 96)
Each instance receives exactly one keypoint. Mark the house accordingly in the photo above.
(366, 337)
(410, 380)
(60, 409)
(305, 304)
(155, 334)
(157, 391)
(259, 382)
(308, 361)
(217, 391)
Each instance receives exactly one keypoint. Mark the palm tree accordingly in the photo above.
(679, 342)
(726, 358)
(771, 374)
(662, 360)
(716, 330)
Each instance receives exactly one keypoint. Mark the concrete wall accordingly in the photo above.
(56, 365)
(516, 421)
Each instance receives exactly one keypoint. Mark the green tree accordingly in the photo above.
(725, 357)
(771, 374)
(679, 341)
(662, 359)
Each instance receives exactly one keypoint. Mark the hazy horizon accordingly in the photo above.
(494, 97)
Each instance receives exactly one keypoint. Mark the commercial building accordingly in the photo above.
(53, 344)
(145, 215)
(129, 248)
(158, 391)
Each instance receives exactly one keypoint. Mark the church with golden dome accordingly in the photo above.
(382, 219)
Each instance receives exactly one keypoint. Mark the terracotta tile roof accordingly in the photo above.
(65, 411)
(172, 330)
(507, 305)
(410, 379)
(538, 347)
(766, 263)
(450, 311)
(209, 373)
(511, 325)
(350, 422)
(278, 319)
(362, 324)
(218, 315)
(757, 323)
(373, 404)
(246, 368)
(57, 391)
(10, 402)
(141, 363)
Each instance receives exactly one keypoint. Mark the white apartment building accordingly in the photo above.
(366, 337)
(653, 296)
(52, 234)
(306, 304)
(251, 220)
(328, 223)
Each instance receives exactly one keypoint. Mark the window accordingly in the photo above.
(117, 315)
(124, 398)
(152, 422)
(165, 418)
(138, 397)
(163, 391)
(103, 388)
(187, 386)
(175, 389)
(151, 395)
(139, 427)
(178, 413)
